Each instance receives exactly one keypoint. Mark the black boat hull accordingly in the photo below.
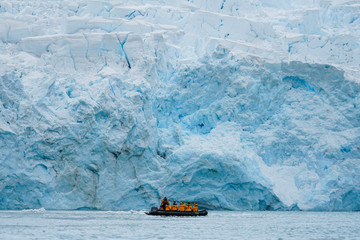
(177, 213)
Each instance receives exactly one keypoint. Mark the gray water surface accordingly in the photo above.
(41, 224)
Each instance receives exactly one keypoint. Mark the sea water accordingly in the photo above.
(42, 224)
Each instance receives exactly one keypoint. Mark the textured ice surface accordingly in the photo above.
(235, 105)
(34, 224)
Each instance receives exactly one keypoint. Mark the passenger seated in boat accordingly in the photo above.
(174, 207)
(195, 208)
(189, 208)
(163, 204)
(182, 207)
(167, 207)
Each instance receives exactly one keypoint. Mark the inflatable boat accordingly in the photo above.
(156, 212)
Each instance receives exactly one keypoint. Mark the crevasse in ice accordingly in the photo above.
(232, 104)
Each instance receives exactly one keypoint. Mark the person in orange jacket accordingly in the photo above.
(174, 207)
(163, 204)
(167, 206)
(195, 208)
(182, 207)
(189, 208)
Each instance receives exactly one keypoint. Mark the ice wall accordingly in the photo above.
(234, 105)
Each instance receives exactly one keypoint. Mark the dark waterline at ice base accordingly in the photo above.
(41, 224)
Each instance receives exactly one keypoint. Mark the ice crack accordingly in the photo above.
(122, 43)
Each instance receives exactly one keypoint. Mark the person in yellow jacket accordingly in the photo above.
(182, 207)
(195, 207)
(189, 208)
(167, 207)
(174, 207)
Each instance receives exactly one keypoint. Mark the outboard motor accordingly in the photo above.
(154, 209)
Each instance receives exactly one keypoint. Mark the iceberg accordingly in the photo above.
(234, 105)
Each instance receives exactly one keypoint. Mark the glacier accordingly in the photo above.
(238, 105)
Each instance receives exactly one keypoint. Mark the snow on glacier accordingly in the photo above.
(234, 105)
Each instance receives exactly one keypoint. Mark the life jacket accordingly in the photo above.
(174, 207)
(162, 205)
(188, 208)
(195, 208)
(182, 207)
(167, 207)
